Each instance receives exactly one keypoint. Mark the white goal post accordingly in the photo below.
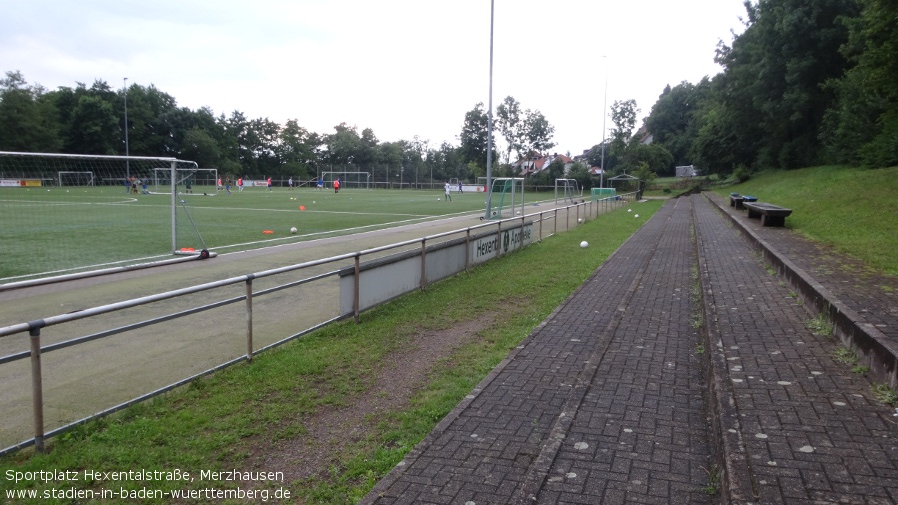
(506, 193)
(347, 179)
(98, 192)
(570, 190)
(69, 178)
(197, 181)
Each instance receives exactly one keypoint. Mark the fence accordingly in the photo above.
(275, 301)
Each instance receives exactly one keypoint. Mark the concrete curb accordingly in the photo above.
(879, 353)
(737, 483)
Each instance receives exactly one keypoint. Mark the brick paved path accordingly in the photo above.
(811, 430)
(617, 398)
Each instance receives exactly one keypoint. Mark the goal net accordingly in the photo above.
(72, 213)
(357, 180)
(76, 178)
(506, 197)
(188, 181)
(568, 189)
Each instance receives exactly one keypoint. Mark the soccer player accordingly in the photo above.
(337, 185)
(448, 192)
(290, 183)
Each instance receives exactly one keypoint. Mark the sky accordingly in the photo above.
(400, 67)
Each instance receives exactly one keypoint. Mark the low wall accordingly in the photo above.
(386, 278)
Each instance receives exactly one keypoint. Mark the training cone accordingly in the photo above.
(267, 232)
(302, 207)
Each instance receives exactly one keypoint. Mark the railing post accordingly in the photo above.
(249, 318)
(37, 389)
(555, 222)
(540, 226)
(355, 301)
(578, 214)
(499, 239)
(467, 249)
(423, 263)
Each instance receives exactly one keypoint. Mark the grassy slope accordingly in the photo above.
(208, 425)
(853, 209)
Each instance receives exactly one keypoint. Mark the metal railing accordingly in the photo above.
(314, 274)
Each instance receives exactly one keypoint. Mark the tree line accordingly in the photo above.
(91, 120)
(808, 82)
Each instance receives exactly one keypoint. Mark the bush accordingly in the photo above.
(741, 174)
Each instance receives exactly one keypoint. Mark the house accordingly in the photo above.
(688, 171)
(644, 135)
(535, 163)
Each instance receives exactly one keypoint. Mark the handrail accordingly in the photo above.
(34, 327)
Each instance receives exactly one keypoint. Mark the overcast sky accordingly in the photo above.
(400, 67)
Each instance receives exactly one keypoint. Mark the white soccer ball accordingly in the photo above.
(438, 199)
(579, 219)
(293, 230)
(637, 215)
(584, 244)
(629, 210)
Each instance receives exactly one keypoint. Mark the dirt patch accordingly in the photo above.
(331, 430)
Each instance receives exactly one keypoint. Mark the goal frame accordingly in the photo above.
(60, 173)
(163, 187)
(566, 185)
(340, 173)
(517, 183)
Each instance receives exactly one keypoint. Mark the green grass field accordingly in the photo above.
(66, 229)
(852, 209)
(220, 421)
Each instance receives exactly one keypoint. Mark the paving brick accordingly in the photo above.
(610, 400)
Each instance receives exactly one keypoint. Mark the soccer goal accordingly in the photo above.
(188, 181)
(569, 190)
(506, 194)
(357, 180)
(73, 213)
(67, 178)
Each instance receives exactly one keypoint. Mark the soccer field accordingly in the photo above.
(53, 231)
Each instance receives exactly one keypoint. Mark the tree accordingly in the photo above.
(772, 98)
(652, 156)
(537, 133)
(28, 118)
(474, 138)
(862, 127)
(675, 119)
(200, 147)
(511, 126)
(623, 116)
(94, 127)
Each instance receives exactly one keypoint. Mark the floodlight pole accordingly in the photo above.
(489, 133)
(127, 153)
(604, 105)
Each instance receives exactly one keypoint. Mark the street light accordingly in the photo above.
(127, 153)
(604, 105)
(489, 142)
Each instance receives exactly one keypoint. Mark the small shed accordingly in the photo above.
(688, 171)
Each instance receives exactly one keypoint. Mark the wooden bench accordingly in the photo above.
(733, 198)
(740, 201)
(771, 215)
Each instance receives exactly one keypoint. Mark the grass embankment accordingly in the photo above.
(219, 421)
(855, 210)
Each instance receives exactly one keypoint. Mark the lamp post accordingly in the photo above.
(604, 105)
(489, 128)
(127, 151)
